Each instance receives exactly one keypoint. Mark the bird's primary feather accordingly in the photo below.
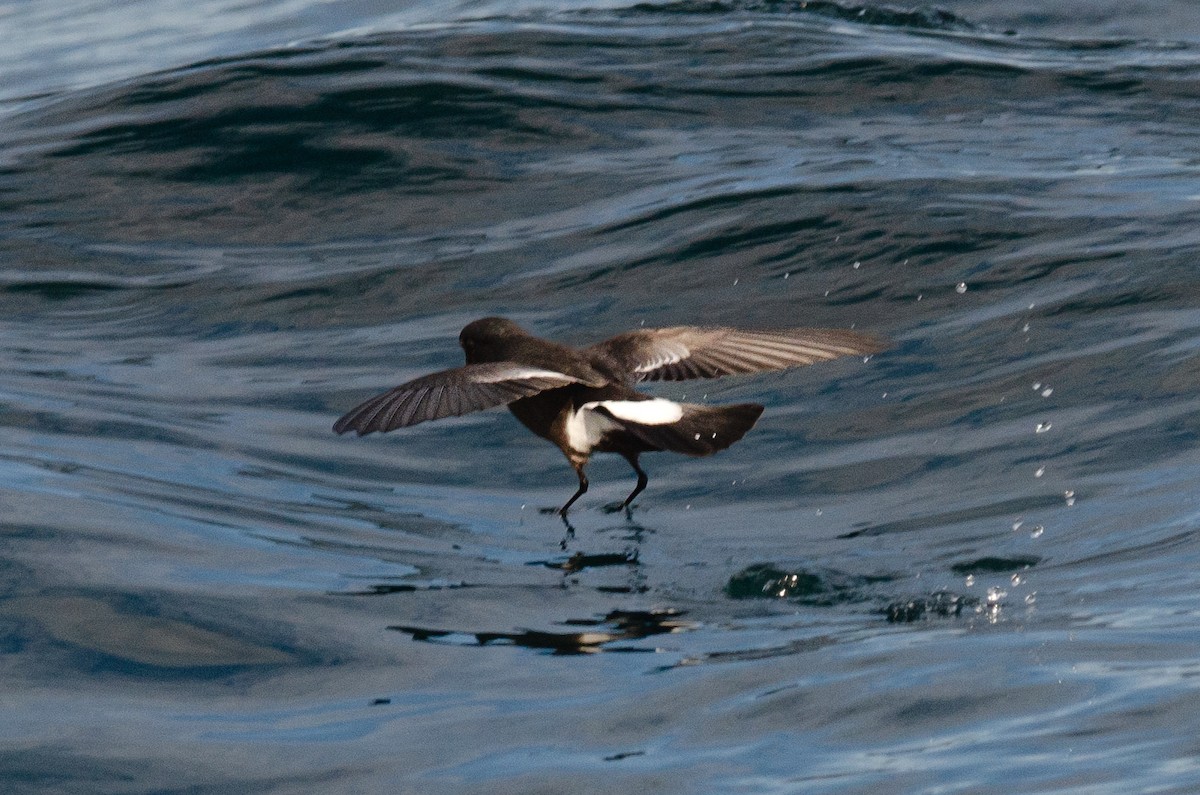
(450, 393)
(684, 352)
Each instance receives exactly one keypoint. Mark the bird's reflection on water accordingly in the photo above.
(618, 625)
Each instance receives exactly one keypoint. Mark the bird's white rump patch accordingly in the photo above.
(655, 411)
(587, 425)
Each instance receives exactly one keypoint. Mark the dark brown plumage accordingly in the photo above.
(583, 400)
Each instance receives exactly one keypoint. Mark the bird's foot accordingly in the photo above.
(619, 507)
(559, 512)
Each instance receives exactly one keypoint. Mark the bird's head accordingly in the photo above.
(483, 340)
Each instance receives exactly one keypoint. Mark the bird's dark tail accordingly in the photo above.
(702, 430)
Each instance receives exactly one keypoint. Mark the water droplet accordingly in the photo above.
(920, 296)
(961, 288)
(1047, 392)
(698, 437)
(1025, 329)
(1017, 525)
(735, 281)
(885, 394)
(1037, 385)
(1031, 597)
(970, 580)
(687, 507)
(1070, 497)
(995, 594)
(819, 512)
(826, 293)
(1016, 579)
(857, 265)
(1037, 531)
(1042, 427)
(1040, 471)
(786, 275)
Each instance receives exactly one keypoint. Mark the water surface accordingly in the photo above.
(968, 564)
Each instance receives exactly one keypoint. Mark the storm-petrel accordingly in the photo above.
(583, 399)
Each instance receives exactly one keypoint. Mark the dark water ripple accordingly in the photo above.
(968, 563)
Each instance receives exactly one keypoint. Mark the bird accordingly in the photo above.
(584, 400)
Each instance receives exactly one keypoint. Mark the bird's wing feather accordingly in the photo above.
(450, 393)
(683, 352)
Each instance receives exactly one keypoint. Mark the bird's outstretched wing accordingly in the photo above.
(683, 352)
(450, 393)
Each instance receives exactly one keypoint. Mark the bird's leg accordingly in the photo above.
(642, 480)
(583, 487)
(641, 484)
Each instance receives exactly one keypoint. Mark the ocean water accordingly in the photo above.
(968, 564)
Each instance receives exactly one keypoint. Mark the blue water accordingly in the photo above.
(969, 564)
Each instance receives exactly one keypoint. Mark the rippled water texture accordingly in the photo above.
(968, 564)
